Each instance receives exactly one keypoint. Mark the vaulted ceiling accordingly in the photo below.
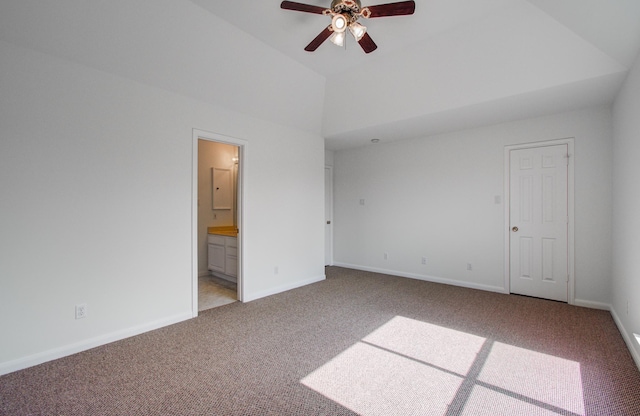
(454, 64)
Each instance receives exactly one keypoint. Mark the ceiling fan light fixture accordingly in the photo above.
(357, 30)
(344, 14)
(338, 38)
(339, 23)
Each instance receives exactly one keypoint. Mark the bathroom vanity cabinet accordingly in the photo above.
(223, 256)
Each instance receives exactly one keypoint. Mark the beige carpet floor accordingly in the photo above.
(357, 343)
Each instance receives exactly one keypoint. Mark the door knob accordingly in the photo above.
(514, 229)
(328, 222)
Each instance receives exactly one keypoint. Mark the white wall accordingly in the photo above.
(174, 45)
(626, 206)
(219, 155)
(434, 197)
(96, 183)
(328, 157)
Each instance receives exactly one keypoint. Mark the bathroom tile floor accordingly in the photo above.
(213, 292)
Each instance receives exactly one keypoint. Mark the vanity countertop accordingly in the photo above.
(229, 231)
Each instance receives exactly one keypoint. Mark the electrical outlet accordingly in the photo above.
(275, 270)
(424, 260)
(469, 266)
(362, 202)
(81, 311)
(386, 256)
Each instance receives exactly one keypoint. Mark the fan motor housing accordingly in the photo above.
(350, 6)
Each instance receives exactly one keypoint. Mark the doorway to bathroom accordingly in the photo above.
(217, 220)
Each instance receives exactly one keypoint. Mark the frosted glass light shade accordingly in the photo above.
(337, 38)
(357, 30)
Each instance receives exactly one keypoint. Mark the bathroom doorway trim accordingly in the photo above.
(242, 172)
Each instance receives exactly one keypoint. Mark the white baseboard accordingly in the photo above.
(592, 305)
(273, 291)
(425, 278)
(66, 350)
(629, 339)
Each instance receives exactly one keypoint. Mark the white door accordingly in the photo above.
(538, 216)
(328, 216)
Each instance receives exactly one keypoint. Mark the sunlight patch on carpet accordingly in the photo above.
(410, 367)
(371, 381)
(441, 347)
(487, 402)
(404, 367)
(544, 378)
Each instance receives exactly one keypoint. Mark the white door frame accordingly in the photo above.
(330, 168)
(242, 174)
(570, 211)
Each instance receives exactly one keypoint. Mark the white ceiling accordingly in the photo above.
(581, 50)
(611, 25)
(290, 31)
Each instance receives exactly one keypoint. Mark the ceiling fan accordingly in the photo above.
(344, 15)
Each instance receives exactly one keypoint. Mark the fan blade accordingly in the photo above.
(299, 7)
(392, 9)
(324, 35)
(367, 44)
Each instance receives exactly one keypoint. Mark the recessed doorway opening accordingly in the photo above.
(217, 212)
